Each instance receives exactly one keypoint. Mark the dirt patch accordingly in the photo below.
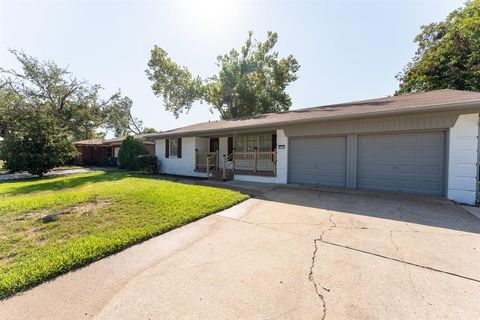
(50, 215)
(85, 207)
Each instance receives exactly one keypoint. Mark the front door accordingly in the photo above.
(214, 144)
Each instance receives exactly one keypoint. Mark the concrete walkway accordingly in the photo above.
(25, 175)
(290, 253)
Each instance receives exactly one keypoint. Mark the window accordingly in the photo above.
(241, 144)
(173, 147)
(263, 143)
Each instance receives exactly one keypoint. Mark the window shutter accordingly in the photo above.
(179, 146)
(229, 145)
(274, 141)
(167, 148)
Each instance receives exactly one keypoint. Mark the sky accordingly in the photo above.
(348, 49)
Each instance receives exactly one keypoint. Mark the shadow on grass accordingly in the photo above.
(72, 182)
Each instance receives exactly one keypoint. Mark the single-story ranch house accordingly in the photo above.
(105, 151)
(422, 143)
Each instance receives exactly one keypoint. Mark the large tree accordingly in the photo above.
(43, 109)
(250, 81)
(448, 54)
(76, 105)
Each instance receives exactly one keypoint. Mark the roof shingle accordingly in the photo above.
(395, 104)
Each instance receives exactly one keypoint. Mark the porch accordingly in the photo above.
(238, 155)
(237, 163)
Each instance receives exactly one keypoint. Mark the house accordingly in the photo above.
(105, 151)
(425, 143)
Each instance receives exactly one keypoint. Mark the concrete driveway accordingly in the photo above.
(290, 253)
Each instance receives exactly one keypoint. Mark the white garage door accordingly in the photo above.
(412, 162)
(317, 161)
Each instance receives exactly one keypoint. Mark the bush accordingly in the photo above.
(129, 152)
(36, 144)
(148, 163)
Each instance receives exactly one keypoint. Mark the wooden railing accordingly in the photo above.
(256, 161)
(206, 160)
(245, 162)
(228, 165)
(252, 161)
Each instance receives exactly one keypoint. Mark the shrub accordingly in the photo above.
(35, 143)
(129, 152)
(148, 163)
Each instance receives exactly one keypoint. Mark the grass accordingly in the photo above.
(51, 226)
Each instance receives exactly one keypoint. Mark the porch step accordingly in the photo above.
(217, 174)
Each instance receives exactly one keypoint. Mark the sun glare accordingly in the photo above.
(209, 14)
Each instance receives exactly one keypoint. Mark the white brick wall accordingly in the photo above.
(223, 149)
(462, 159)
(185, 166)
(282, 157)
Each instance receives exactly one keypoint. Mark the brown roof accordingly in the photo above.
(117, 140)
(90, 142)
(440, 100)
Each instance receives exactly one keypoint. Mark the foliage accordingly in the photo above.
(35, 143)
(148, 163)
(76, 105)
(249, 82)
(448, 54)
(149, 130)
(97, 214)
(129, 152)
(119, 118)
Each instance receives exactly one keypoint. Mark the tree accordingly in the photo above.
(129, 152)
(35, 143)
(249, 82)
(149, 130)
(120, 120)
(43, 109)
(448, 54)
(76, 105)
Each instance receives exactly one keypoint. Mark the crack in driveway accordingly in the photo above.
(401, 261)
(312, 266)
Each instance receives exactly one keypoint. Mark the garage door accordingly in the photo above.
(411, 162)
(317, 160)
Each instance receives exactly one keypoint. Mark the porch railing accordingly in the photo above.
(244, 162)
(206, 160)
(255, 161)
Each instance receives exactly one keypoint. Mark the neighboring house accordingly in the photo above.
(105, 151)
(422, 143)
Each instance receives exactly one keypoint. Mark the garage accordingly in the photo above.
(409, 162)
(318, 160)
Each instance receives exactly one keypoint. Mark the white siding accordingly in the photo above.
(462, 159)
(370, 125)
(185, 166)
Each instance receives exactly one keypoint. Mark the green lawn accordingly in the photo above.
(50, 226)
